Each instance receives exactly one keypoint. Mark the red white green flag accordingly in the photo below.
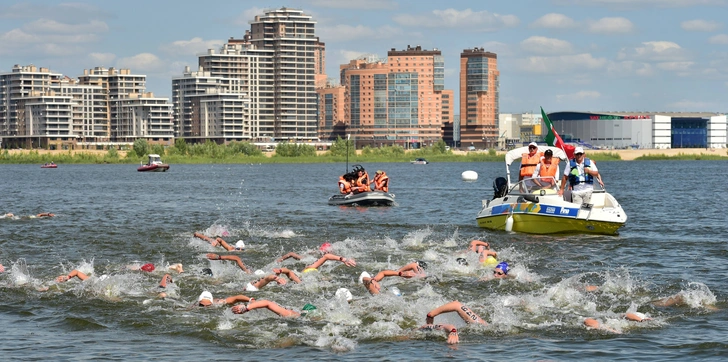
(553, 138)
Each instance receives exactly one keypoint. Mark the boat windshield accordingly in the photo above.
(542, 186)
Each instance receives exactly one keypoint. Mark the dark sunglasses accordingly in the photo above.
(498, 273)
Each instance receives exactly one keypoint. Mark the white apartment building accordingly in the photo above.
(39, 108)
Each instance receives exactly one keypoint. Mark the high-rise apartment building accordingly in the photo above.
(479, 83)
(332, 118)
(290, 34)
(277, 65)
(41, 109)
(398, 101)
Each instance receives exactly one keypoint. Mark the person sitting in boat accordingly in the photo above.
(381, 181)
(346, 184)
(546, 171)
(362, 179)
(529, 161)
(580, 175)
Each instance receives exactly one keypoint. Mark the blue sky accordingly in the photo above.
(564, 55)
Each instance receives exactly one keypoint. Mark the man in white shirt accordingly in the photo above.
(580, 174)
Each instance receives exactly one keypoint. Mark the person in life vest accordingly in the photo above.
(381, 181)
(345, 183)
(580, 175)
(529, 161)
(362, 179)
(546, 171)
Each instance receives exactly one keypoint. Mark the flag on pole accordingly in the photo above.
(553, 138)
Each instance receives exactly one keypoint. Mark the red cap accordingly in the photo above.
(325, 247)
(149, 267)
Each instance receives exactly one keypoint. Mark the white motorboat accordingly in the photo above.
(534, 206)
(155, 164)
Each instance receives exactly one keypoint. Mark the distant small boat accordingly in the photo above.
(49, 165)
(419, 161)
(155, 164)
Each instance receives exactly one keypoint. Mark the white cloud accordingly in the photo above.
(658, 51)
(700, 25)
(343, 32)
(452, 18)
(67, 12)
(616, 25)
(101, 59)
(362, 5)
(48, 26)
(688, 105)
(191, 47)
(142, 62)
(554, 21)
(561, 64)
(639, 4)
(248, 15)
(18, 42)
(578, 96)
(719, 39)
(544, 45)
(345, 56)
(675, 66)
(630, 68)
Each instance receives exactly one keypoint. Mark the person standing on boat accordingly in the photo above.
(381, 181)
(529, 161)
(580, 175)
(545, 169)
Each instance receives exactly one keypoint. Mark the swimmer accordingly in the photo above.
(236, 259)
(205, 299)
(271, 306)
(463, 311)
(450, 330)
(328, 256)
(287, 272)
(501, 271)
(239, 245)
(45, 214)
(260, 283)
(592, 323)
(8, 215)
(176, 267)
(74, 273)
(166, 279)
(417, 268)
(148, 267)
(373, 285)
(324, 249)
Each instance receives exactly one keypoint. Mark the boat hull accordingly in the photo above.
(552, 215)
(373, 198)
(153, 168)
(49, 166)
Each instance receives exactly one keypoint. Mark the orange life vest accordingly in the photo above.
(344, 186)
(363, 183)
(528, 163)
(547, 169)
(381, 182)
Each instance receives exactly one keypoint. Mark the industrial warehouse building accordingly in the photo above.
(641, 130)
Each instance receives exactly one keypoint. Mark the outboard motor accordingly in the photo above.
(500, 187)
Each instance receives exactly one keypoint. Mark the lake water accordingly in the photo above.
(110, 216)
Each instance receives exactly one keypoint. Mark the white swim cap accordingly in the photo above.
(362, 276)
(205, 295)
(396, 291)
(259, 272)
(344, 293)
(250, 288)
(240, 245)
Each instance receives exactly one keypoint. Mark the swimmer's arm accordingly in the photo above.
(224, 244)
(71, 275)
(237, 298)
(449, 329)
(287, 272)
(289, 255)
(235, 258)
(165, 279)
(206, 238)
(475, 243)
(260, 283)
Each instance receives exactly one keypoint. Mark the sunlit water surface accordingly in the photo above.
(110, 216)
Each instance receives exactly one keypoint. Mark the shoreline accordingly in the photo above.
(625, 155)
